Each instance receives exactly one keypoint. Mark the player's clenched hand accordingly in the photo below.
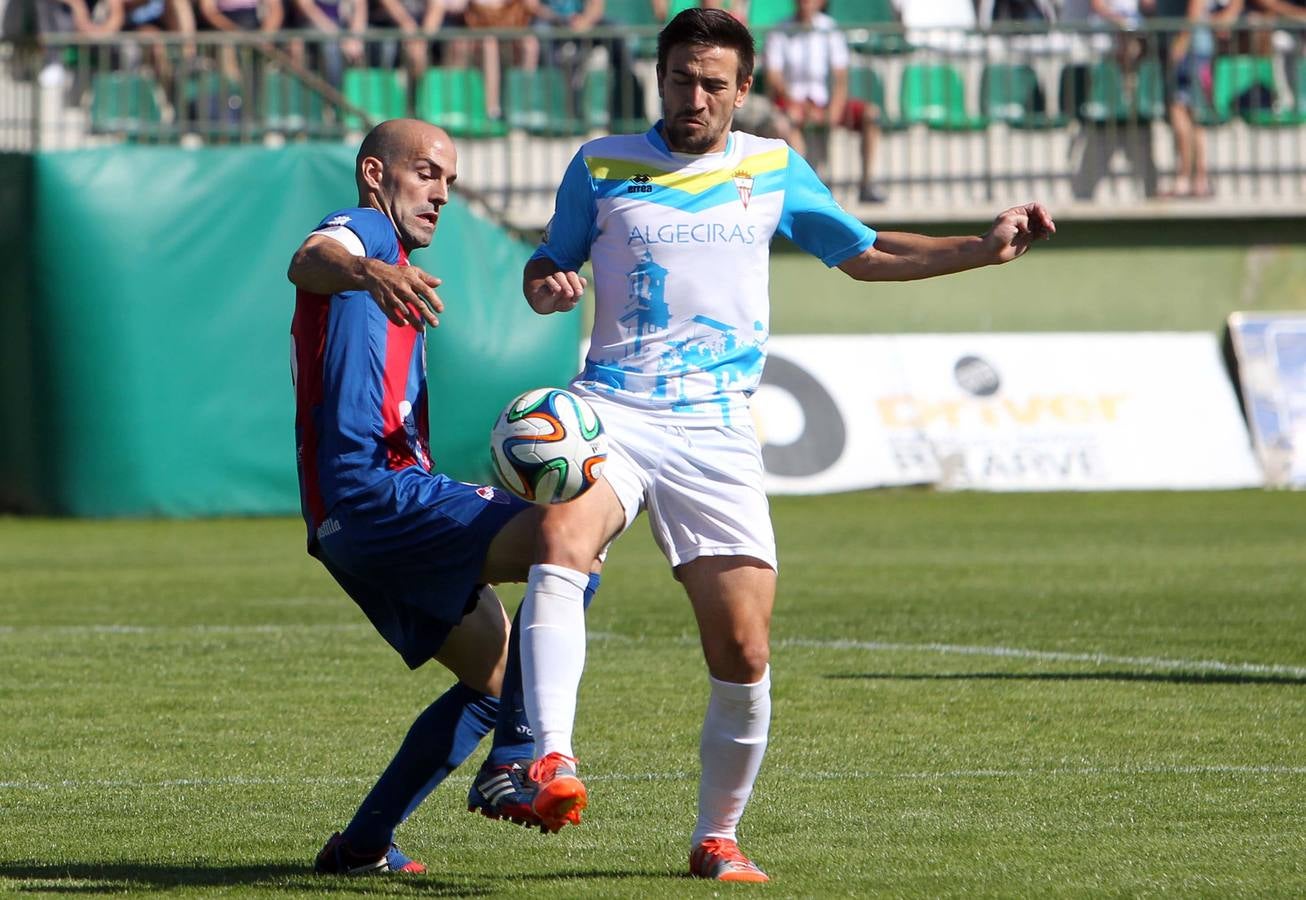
(1015, 231)
(405, 294)
(557, 292)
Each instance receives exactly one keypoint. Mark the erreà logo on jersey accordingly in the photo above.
(744, 184)
(639, 184)
(338, 220)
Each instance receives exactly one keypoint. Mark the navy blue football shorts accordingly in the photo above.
(410, 551)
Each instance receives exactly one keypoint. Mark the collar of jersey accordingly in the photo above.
(654, 136)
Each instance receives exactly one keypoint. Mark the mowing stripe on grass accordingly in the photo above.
(795, 774)
(1098, 659)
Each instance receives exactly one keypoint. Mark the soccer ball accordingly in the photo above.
(548, 446)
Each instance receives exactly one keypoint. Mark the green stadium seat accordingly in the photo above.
(124, 103)
(1234, 76)
(1294, 114)
(635, 14)
(764, 14)
(861, 12)
(289, 105)
(887, 38)
(380, 93)
(1149, 93)
(630, 12)
(865, 84)
(598, 87)
(454, 99)
(934, 94)
(1011, 94)
(1095, 93)
(213, 106)
(541, 102)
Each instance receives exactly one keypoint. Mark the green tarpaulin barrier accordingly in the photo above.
(146, 328)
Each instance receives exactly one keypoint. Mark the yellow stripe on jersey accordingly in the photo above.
(690, 183)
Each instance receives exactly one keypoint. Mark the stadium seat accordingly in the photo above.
(124, 103)
(865, 84)
(1149, 93)
(935, 95)
(636, 14)
(887, 38)
(1095, 93)
(379, 93)
(213, 106)
(454, 99)
(597, 100)
(1292, 114)
(763, 14)
(289, 105)
(630, 12)
(1238, 79)
(1011, 94)
(541, 102)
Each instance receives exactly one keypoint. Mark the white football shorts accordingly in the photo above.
(700, 484)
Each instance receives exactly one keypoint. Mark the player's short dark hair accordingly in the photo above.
(708, 28)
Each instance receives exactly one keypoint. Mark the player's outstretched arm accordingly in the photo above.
(549, 289)
(904, 256)
(406, 294)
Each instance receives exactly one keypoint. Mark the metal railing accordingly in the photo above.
(1080, 117)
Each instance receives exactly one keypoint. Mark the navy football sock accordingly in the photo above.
(513, 738)
(440, 738)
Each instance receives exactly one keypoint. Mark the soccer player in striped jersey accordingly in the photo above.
(415, 549)
(677, 223)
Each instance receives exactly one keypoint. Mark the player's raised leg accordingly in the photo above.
(553, 642)
(501, 789)
(732, 597)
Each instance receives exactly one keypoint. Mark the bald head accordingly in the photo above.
(395, 140)
(405, 168)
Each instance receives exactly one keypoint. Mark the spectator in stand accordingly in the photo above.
(1126, 16)
(666, 10)
(63, 17)
(491, 14)
(328, 57)
(139, 16)
(991, 11)
(576, 18)
(807, 62)
(936, 23)
(241, 15)
(1188, 56)
(1289, 40)
(419, 18)
(266, 16)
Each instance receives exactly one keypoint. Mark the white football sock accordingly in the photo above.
(552, 653)
(730, 751)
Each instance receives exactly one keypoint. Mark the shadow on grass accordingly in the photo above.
(137, 877)
(1156, 677)
(125, 877)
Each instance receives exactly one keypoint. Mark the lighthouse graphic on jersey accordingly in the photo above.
(646, 305)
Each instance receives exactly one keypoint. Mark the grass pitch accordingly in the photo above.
(975, 695)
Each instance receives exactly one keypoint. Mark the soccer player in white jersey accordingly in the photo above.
(678, 223)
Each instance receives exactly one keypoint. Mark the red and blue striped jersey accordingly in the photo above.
(360, 383)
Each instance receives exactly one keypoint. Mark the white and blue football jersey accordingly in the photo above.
(680, 246)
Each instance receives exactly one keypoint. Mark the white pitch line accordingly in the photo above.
(942, 775)
(999, 652)
(1098, 659)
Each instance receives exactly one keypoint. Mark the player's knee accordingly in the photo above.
(738, 659)
(569, 540)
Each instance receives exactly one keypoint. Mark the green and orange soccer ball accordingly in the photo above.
(548, 446)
